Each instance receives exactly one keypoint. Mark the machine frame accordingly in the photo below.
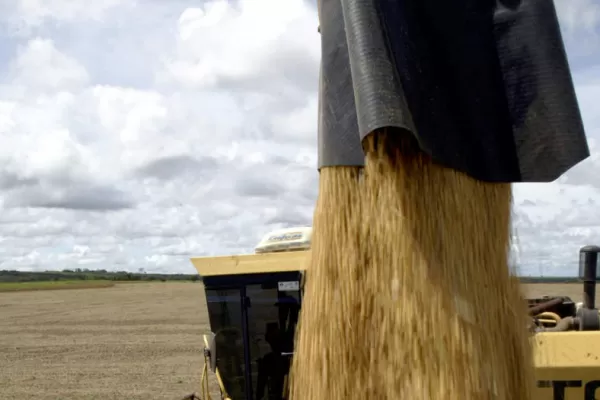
(567, 363)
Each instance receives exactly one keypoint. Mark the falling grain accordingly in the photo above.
(408, 292)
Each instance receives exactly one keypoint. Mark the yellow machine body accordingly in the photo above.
(567, 363)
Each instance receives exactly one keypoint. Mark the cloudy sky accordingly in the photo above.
(136, 133)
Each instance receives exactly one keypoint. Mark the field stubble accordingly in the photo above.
(130, 341)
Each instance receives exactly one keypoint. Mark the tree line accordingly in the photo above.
(549, 279)
(84, 274)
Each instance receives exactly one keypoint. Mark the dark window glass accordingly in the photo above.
(224, 310)
(272, 320)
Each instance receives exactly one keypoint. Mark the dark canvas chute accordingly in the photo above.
(483, 86)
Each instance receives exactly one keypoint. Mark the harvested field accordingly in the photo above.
(573, 290)
(130, 341)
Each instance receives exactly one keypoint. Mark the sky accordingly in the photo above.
(138, 133)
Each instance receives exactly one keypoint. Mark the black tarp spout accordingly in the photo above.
(483, 86)
(338, 140)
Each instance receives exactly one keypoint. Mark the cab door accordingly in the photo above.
(225, 310)
(273, 306)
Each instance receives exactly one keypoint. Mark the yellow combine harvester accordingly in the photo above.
(254, 300)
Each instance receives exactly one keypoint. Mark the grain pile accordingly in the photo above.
(408, 292)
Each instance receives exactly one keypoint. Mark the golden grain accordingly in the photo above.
(408, 292)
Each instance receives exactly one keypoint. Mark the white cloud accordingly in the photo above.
(23, 17)
(136, 134)
(582, 15)
(248, 44)
(580, 24)
(39, 66)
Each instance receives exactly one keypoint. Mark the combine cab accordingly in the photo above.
(254, 300)
(253, 304)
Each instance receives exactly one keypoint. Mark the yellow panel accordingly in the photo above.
(251, 263)
(567, 363)
(568, 349)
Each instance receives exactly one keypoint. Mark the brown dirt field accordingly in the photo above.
(573, 290)
(131, 341)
